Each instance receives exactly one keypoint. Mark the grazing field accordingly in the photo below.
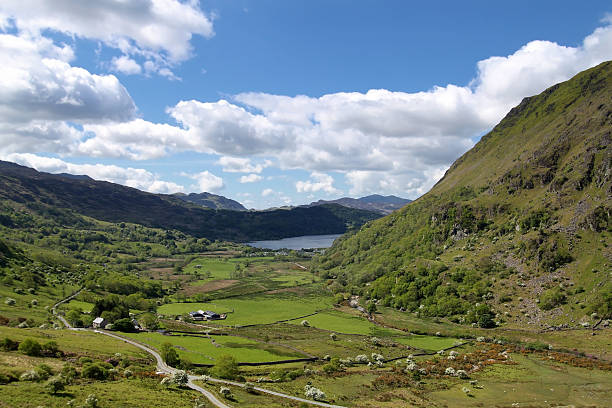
(263, 309)
(344, 323)
(534, 383)
(81, 342)
(79, 305)
(426, 343)
(123, 393)
(206, 350)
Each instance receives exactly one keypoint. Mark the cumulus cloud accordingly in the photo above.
(136, 178)
(251, 178)
(37, 82)
(318, 182)
(157, 31)
(385, 141)
(241, 165)
(125, 65)
(208, 182)
(267, 192)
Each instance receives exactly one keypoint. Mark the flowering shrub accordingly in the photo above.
(314, 393)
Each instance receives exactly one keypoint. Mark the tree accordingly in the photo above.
(169, 355)
(124, 325)
(226, 367)
(149, 321)
(55, 384)
(74, 318)
(371, 308)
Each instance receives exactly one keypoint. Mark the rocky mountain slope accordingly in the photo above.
(518, 229)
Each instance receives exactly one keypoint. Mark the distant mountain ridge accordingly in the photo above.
(375, 202)
(209, 200)
(54, 195)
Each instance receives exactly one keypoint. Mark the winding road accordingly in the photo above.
(165, 368)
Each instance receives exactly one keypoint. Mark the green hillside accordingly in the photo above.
(25, 191)
(518, 230)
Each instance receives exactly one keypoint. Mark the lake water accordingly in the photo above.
(305, 242)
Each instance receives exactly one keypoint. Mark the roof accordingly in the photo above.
(98, 320)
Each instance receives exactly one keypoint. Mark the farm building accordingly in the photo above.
(99, 323)
(205, 315)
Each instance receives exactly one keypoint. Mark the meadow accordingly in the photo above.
(260, 309)
(205, 350)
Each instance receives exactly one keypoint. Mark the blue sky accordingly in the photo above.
(277, 102)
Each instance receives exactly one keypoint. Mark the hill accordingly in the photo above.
(375, 202)
(59, 196)
(209, 200)
(518, 229)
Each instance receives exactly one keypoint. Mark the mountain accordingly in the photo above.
(375, 202)
(209, 200)
(65, 197)
(517, 230)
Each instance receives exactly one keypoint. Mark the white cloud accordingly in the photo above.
(385, 141)
(159, 31)
(318, 182)
(241, 165)
(37, 83)
(125, 65)
(131, 177)
(251, 178)
(208, 182)
(267, 192)
(136, 139)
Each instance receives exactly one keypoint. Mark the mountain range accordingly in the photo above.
(375, 202)
(23, 188)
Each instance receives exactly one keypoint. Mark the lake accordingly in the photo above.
(305, 242)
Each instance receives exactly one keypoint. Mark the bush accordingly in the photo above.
(44, 371)
(314, 393)
(30, 347)
(95, 371)
(54, 385)
(180, 378)
(551, 298)
(50, 349)
(31, 375)
(10, 301)
(8, 377)
(8, 344)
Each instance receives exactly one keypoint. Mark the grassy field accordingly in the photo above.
(256, 309)
(344, 323)
(124, 393)
(426, 343)
(81, 342)
(206, 350)
(80, 305)
(532, 383)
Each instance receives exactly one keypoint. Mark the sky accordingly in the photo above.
(276, 103)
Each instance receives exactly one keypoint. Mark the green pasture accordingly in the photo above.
(426, 343)
(203, 350)
(84, 307)
(81, 342)
(344, 323)
(218, 268)
(533, 383)
(254, 310)
(122, 393)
